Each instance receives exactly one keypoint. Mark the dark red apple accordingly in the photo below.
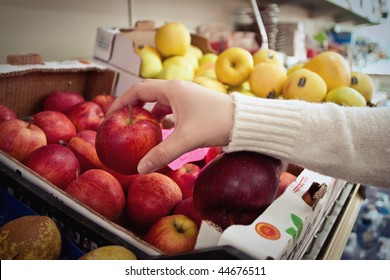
(61, 101)
(186, 207)
(173, 234)
(56, 125)
(185, 177)
(149, 198)
(85, 152)
(104, 101)
(86, 115)
(235, 188)
(100, 191)
(19, 138)
(125, 137)
(7, 113)
(55, 163)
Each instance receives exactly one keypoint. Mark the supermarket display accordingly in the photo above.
(90, 172)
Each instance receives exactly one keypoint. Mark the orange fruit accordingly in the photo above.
(266, 80)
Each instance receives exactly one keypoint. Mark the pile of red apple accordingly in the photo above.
(93, 158)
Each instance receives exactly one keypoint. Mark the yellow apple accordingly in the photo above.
(208, 57)
(192, 59)
(150, 48)
(151, 64)
(210, 83)
(233, 66)
(176, 72)
(172, 38)
(207, 69)
(267, 79)
(180, 60)
(266, 56)
(364, 84)
(196, 51)
(109, 252)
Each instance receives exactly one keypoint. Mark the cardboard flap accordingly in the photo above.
(104, 42)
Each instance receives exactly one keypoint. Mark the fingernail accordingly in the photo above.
(146, 167)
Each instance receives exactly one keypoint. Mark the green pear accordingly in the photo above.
(151, 64)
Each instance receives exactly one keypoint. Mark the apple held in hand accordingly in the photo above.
(173, 234)
(100, 191)
(61, 101)
(86, 115)
(19, 138)
(55, 163)
(185, 177)
(56, 125)
(235, 188)
(151, 197)
(212, 153)
(233, 66)
(7, 113)
(125, 137)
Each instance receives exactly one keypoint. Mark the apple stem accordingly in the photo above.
(30, 121)
(130, 113)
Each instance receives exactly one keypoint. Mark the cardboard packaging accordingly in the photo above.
(286, 227)
(114, 48)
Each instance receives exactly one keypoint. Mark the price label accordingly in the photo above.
(191, 156)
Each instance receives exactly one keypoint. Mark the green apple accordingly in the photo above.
(196, 51)
(151, 64)
(176, 72)
(210, 83)
(208, 57)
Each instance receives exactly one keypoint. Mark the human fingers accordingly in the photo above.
(146, 91)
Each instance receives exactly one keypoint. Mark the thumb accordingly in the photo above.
(161, 155)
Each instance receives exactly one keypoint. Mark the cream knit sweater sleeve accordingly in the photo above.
(343, 142)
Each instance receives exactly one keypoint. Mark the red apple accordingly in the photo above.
(104, 101)
(151, 197)
(125, 137)
(86, 115)
(212, 153)
(56, 125)
(186, 207)
(19, 138)
(7, 113)
(85, 152)
(123, 179)
(61, 101)
(55, 163)
(185, 177)
(285, 179)
(88, 135)
(173, 234)
(100, 191)
(235, 188)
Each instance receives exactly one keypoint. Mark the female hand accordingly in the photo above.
(203, 117)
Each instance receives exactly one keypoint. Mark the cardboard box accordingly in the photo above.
(23, 87)
(286, 227)
(114, 48)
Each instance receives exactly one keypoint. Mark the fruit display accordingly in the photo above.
(261, 74)
(93, 159)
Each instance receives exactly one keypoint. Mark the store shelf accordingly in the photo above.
(332, 236)
(341, 10)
